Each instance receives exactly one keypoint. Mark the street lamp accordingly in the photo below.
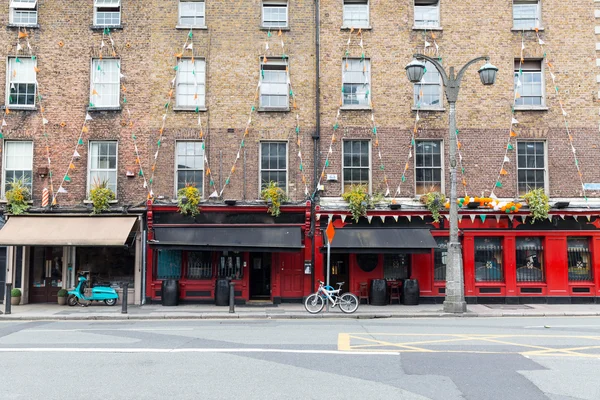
(455, 290)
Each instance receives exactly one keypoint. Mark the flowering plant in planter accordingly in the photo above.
(537, 200)
(188, 199)
(101, 196)
(274, 196)
(17, 197)
(434, 201)
(359, 201)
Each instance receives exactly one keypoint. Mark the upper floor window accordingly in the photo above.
(274, 84)
(18, 164)
(529, 83)
(192, 13)
(427, 13)
(356, 13)
(190, 89)
(23, 12)
(274, 13)
(531, 166)
(488, 259)
(356, 163)
(105, 83)
(273, 164)
(428, 92)
(21, 84)
(190, 165)
(356, 77)
(526, 14)
(107, 12)
(102, 165)
(428, 166)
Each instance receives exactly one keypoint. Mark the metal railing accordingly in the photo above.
(530, 264)
(488, 264)
(579, 264)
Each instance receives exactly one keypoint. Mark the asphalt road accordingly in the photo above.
(442, 358)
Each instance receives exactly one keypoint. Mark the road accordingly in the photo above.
(438, 358)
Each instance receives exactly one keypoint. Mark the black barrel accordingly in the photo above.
(170, 292)
(222, 292)
(378, 295)
(410, 292)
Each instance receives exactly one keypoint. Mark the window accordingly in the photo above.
(18, 164)
(169, 264)
(357, 163)
(356, 13)
(274, 14)
(102, 165)
(440, 259)
(427, 13)
(356, 75)
(273, 164)
(23, 12)
(428, 166)
(107, 12)
(580, 261)
(530, 259)
(190, 165)
(531, 166)
(106, 80)
(21, 82)
(428, 92)
(526, 14)
(488, 259)
(396, 266)
(107, 265)
(191, 90)
(199, 265)
(191, 13)
(529, 83)
(230, 265)
(274, 84)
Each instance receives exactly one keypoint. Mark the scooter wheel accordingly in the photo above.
(72, 300)
(110, 302)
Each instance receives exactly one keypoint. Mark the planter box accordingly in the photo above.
(15, 301)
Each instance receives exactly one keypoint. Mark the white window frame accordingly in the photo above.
(23, 6)
(287, 163)
(538, 16)
(363, 103)
(6, 146)
(275, 4)
(370, 144)
(421, 25)
(90, 181)
(99, 5)
(266, 84)
(11, 63)
(197, 17)
(443, 171)
(545, 169)
(200, 101)
(98, 86)
(529, 70)
(418, 87)
(176, 167)
(347, 22)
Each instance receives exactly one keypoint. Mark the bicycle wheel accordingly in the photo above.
(314, 304)
(348, 303)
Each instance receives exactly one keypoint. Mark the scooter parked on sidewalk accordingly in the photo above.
(99, 293)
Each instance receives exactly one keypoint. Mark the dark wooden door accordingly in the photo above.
(260, 276)
(340, 267)
(45, 274)
(2, 272)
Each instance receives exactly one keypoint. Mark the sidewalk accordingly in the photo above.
(31, 312)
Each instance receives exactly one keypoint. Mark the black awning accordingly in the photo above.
(225, 238)
(382, 240)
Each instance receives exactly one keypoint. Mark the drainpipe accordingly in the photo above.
(316, 137)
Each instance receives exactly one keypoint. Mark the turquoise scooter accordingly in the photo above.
(99, 293)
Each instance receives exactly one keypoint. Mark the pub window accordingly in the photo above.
(530, 260)
(112, 266)
(488, 260)
(169, 264)
(230, 265)
(578, 251)
(440, 258)
(395, 266)
(199, 265)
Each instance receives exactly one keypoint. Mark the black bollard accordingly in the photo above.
(231, 297)
(124, 300)
(7, 298)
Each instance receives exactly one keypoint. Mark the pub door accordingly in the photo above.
(340, 266)
(260, 276)
(45, 274)
(2, 272)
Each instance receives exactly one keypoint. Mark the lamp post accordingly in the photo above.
(455, 290)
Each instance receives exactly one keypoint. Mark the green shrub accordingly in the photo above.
(101, 196)
(62, 293)
(17, 197)
(15, 292)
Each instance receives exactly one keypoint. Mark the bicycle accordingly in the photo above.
(314, 303)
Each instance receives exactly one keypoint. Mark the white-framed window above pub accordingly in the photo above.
(531, 166)
(356, 164)
(102, 165)
(356, 14)
(274, 164)
(529, 84)
(190, 91)
(23, 12)
(17, 164)
(427, 13)
(527, 14)
(356, 83)
(274, 14)
(274, 84)
(107, 12)
(105, 83)
(21, 82)
(428, 92)
(429, 171)
(192, 14)
(189, 165)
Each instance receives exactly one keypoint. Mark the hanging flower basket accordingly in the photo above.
(274, 196)
(101, 196)
(188, 200)
(434, 201)
(17, 197)
(359, 201)
(537, 200)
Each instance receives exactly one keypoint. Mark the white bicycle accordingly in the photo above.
(315, 302)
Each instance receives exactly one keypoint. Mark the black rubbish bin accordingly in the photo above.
(410, 292)
(170, 292)
(222, 292)
(378, 296)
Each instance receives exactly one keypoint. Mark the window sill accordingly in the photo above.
(190, 109)
(273, 109)
(531, 108)
(117, 108)
(356, 108)
(34, 26)
(525, 29)
(364, 28)
(110, 202)
(4, 201)
(102, 27)
(434, 109)
(16, 107)
(188, 27)
(275, 28)
(427, 28)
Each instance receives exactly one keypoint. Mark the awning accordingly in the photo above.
(229, 238)
(66, 231)
(382, 240)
